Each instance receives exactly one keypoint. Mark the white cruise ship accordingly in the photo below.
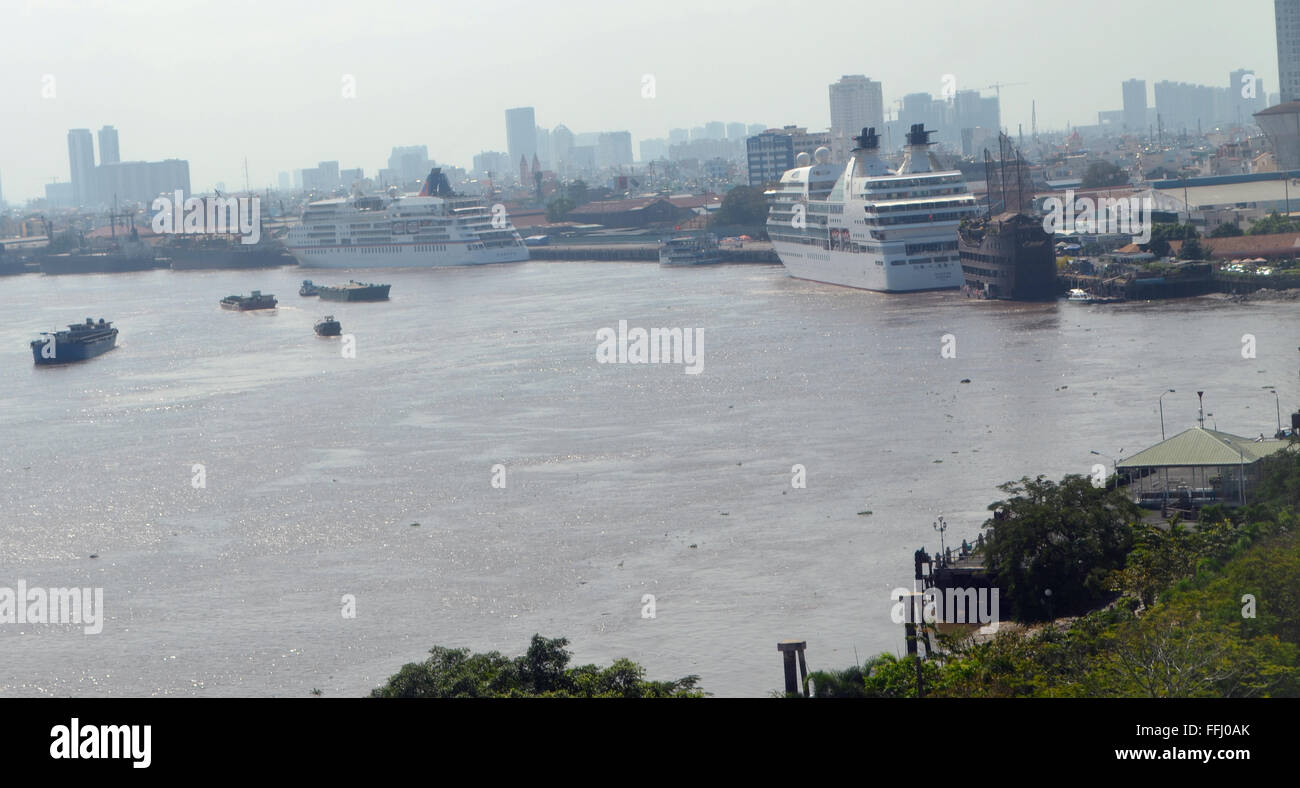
(434, 228)
(863, 225)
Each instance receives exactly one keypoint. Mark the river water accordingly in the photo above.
(325, 476)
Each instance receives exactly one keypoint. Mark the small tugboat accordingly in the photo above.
(308, 289)
(258, 300)
(354, 291)
(328, 327)
(80, 342)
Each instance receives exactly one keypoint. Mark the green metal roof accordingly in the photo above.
(1199, 446)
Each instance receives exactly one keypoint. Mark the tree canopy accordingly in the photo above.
(1274, 223)
(1051, 545)
(541, 672)
(742, 205)
(1103, 173)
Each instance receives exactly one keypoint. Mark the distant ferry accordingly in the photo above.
(258, 300)
(352, 291)
(308, 289)
(80, 342)
(863, 225)
(435, 228)
(689, 250)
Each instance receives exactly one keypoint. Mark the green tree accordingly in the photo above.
(1051, 546)
(577, 192)
(559, 208)
(1103, 173)
(541, 672)
(1274, 223)
(1164, 232)
(744, 205)
(1191, 250)
(1227, 230)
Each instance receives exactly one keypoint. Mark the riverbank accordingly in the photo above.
(754, 252)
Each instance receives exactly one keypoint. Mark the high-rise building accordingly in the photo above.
(521, 133)
(614, 149)
(81, 164)
(543, 153)
(654, 149)
(856, 103)
(715, 130)
(492, 164)
(769, 154)
(329, 173)
(735, 131)
(142, 181)
(284, 181)
(407, 164)
(678, 136)
(1246, 95)
(561, 148)
(108, 152)
(1287, 18)
(1135, 106)
(1191, 109)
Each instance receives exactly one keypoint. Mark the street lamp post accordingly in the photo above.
(1277, 401)
(1161, 400)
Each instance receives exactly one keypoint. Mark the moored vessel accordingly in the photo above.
(689, 250)
(195, 253)
(866, 226)
(80, 342)
(308, 289)
(434, 228)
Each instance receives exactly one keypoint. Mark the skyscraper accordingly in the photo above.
(1287, 17)
(856, 103)
(1246, 95)
(108, 153)
(81, 165)
(521, 133)
(1135, 106)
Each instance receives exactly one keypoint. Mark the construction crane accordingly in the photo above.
(999, 85)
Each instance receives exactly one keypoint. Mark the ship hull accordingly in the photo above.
(95, 264)
(376, 293)
(405, 256)
(223, 259)
(864, 271)
(65, 353)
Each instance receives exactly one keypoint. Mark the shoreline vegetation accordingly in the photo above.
(1106, 605)
(1103, 605)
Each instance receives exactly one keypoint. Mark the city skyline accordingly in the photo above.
(290, 111)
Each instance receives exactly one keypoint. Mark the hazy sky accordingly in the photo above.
(213, 82)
